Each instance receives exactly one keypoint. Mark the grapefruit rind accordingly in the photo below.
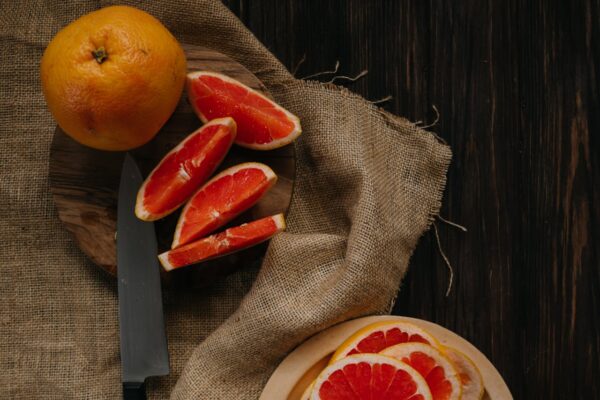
(269, 174)
(349, 344)
(399, 351)
(164, 261)
(278, 220)
(370, 358)
(464, 365)
(308, 391)
(140, 210)
(274, 144)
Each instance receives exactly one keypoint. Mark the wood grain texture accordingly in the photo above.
(516, 85)
(86, 196)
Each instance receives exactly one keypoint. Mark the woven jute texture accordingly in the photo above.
(368, 185)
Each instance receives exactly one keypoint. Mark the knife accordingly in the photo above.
(143, 341)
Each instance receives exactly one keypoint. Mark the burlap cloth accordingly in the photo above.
(368, 185)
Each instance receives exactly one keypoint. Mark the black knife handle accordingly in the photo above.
(134, 391)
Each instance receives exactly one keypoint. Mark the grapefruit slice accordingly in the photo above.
(262, 124)
(223, 243)
(184, 168)
(377, 336)
(221, 199)
(439, 373)
(470, 377)
(308, 391)
(369, 377)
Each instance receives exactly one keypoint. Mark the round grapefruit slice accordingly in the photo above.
(377, 336)
(262, 124)
(184, 168)
(439, 373)
(221, 199)
(370, 376)
(470, 377)
(223, 243)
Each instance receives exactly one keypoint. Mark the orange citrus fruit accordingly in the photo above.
(369, 377)
(224, 197)
(470, 377)
(377, 336)
(113, 77)
(439, 373)
(223, 243)
(184, 169)
(262, 123)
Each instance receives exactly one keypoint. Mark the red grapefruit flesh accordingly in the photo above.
(184, 168)
(223, 243)
(375, 337)
(262, 124)
(439, 373)
(370, 377)
(221, 199)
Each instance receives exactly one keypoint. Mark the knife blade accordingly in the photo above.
(143, 341)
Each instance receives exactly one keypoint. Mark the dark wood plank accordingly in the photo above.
(86, 197)
(516, 84)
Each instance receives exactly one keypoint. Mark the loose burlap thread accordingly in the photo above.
(368, 185)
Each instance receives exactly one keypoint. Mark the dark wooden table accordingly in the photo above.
(517, 86)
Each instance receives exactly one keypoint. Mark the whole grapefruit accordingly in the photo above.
(113, 77)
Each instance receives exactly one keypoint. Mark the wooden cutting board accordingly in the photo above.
(301, 367)
(84, 182)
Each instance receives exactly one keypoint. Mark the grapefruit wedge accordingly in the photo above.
(184, 168)
(221, 199)
(223, 243)
(439, 373)
(470, 377)
(262, 124)
(375, 337)
(369, 377)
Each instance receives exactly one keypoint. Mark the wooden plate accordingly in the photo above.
(297, 371)
(84, 182)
